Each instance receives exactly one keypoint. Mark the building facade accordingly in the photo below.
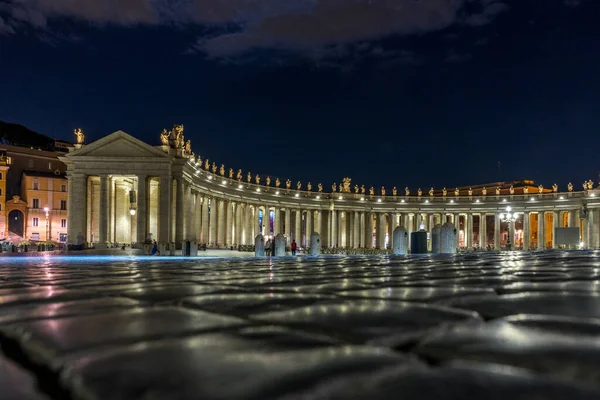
(33, 196)
(122, 190)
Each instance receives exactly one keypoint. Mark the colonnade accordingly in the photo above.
(122, 190)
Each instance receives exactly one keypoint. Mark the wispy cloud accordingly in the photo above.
(300, 26)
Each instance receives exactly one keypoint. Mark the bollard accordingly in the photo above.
(172, 248)
(448, 239)
(193, 249)
(315, 244)
(400, 241)
(279, 245)
(436, 243)
(418, 242)
(163, 248)
(259, 246)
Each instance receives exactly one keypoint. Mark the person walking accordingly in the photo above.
(294, 246)
(268, 248)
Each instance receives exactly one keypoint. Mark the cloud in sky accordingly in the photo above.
(297, 25)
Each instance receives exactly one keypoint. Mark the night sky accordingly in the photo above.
(388, 92)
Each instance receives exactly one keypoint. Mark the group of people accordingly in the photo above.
(269, 245)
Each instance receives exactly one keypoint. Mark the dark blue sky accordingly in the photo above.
(395, 93)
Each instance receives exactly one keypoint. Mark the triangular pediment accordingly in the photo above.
(118, 144)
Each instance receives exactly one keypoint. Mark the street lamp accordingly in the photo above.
(47, 211)
(132, 202)
(508, 216)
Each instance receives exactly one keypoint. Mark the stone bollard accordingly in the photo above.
(193, 249)
(400, 241)
(163, 248)
(315, 244)
(259, 246)
(436, 242)
(172, 248)
(279, 246)
(418, 242)
(448, 239)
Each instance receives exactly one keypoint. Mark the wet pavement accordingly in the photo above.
(494, 326)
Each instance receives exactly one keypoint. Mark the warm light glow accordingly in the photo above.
(532, 199)
(401, 201)
(258, 190)
(224, 182)
(502, 216)
(297, 195)
(426, 201)
(132, 211)
(379, 200)
(504, 200)
(341, 198)
(509, 208)
(46, 209)
(477, 201)
(451, 201)
(210, 177)
(240, 186)
(581, 244)
(318, 197)
(562, 197)
(362, 199)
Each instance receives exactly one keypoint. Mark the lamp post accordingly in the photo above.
(132, 202)
(47, 211)
(510, 218)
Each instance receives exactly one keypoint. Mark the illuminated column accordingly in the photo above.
(541, 231)
(482, 231)
(392, 223)
(288, 225)
(469, 230)
(164, 207)
(142, 208)
(309, 227)
(555, 218)
(188, 213)
(179, 217)
(221, 215)
(409, 220)
(266, 228)
(248, 233)
(77, 209)
(589, 229)
(526, 234)
(497, 231)
(103, 213)
(238, 225)
(333, 224)
(572, 220)
(361, 230)
(229, 223)
(297, 226)
(276, 221)
(369, 233)
(204, 237)
(319, 226)
(356, 231)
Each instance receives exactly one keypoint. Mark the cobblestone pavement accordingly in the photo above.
(493, 326)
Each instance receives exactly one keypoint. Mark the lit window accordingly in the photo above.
(63, 223)
(36, 203)
(36, 186)
(36, 222)
(63, 188)
(63, 205)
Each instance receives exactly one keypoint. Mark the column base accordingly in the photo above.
(102, 246)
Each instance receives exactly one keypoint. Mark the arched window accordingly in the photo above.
(0, 191)
(1, 176)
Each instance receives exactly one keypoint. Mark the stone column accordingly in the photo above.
(392, 217)
(164, 207)
(309, 227)
(198, 218)
(205, 226)
(276, 221)
(469, 230)
(238, 225)
(219, 215)
(589, 229)
(410, 222)
(103, 213)
(555, 219)
(333, 218)
(369, 232)
(189, 215)
(497, 231)
(248, 233)
(482, 231)
(526, 233)
(179, 217)
(288, 225)
(297, 226)
(267, 223)
(457, 226)
(541, 231)
(341, 229)
(356, 231)
(361, 230)
(572, 219)
(319, 226)
(229, 224)
(77, 196)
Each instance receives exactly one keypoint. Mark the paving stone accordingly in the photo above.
(418, 294)
(11, 297)
(53, 310)
(159, 294)
(215, 367)
(368, 319)
(555, 303)
(569, 286)
(17, 383)
(560, 355)
(457, 381)
(48, 341)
